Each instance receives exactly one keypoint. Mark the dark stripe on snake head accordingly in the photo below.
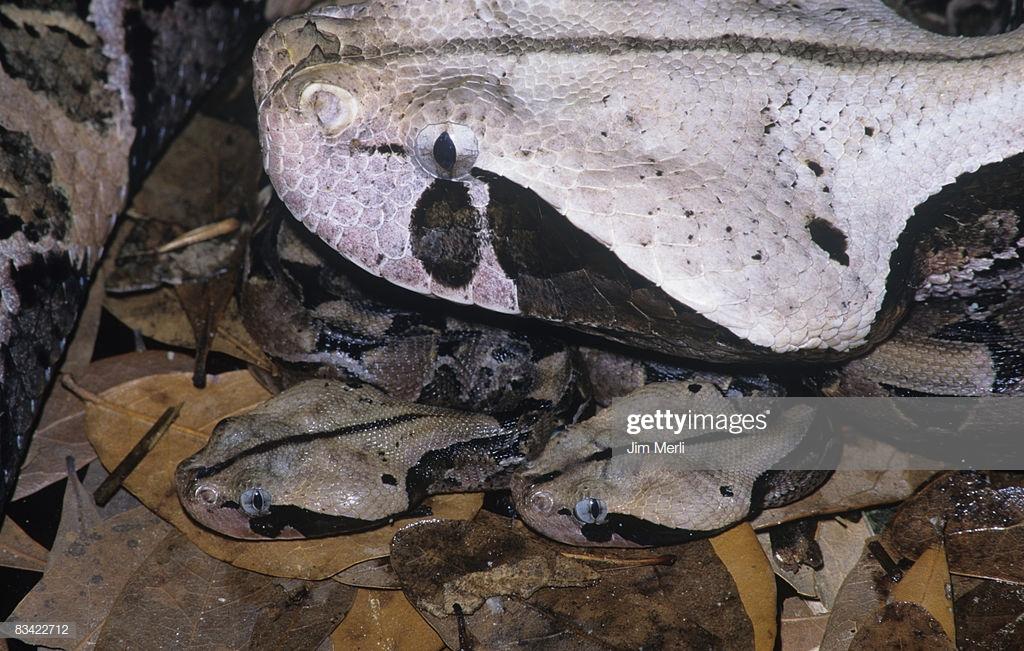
(306, 437)
(639, 531)
(310, 524)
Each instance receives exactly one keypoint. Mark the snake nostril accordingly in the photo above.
(542, 501)
(335, 108)
(205, 494)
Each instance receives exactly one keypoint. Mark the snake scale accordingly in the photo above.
(90, 93)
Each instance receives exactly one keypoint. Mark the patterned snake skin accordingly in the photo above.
(719, 180)
(90, 92)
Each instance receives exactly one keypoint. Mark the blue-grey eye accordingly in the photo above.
(446, 150)
(256, 501)
(591, 510)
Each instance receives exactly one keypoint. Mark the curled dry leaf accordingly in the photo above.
(91, 560)
(126, 412)
(864, 591)
(180, 598)
(61, 430)
(384, 620)
(851, 490)
(696, 601)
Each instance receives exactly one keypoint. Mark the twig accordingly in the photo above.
(113, 481)
(201, 234)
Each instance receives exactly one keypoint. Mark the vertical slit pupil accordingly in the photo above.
(444, 152)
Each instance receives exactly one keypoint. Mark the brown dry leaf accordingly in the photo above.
(849, 490)
(61, 430)
(375, 573)
(905, 626)
(800, 627)
(121, 501)
(127, 412)
(980, 522)
(989, 552)
(989, 614)
(211, 170)
(91, 560)
(384, 620)
(694, 602)
(743, 557)
(158, 314)
(927, 584)
(19, 550)
(180, 598)
(918, 523)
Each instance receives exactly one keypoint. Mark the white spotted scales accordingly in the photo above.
(755, 161)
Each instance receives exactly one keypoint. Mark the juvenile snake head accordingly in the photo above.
(579, 495)
(324, 457)
(597, 484)
(315, 460)
(715, 180)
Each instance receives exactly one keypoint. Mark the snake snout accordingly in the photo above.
(191, 489)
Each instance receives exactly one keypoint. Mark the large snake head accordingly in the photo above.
(718, 180)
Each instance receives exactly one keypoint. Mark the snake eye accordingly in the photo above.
(446, 151)
(206, 494)
(256, 501)
(335, 108)
(591, 510)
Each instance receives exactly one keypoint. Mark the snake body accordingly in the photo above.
(90, 92)
(734, 182)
